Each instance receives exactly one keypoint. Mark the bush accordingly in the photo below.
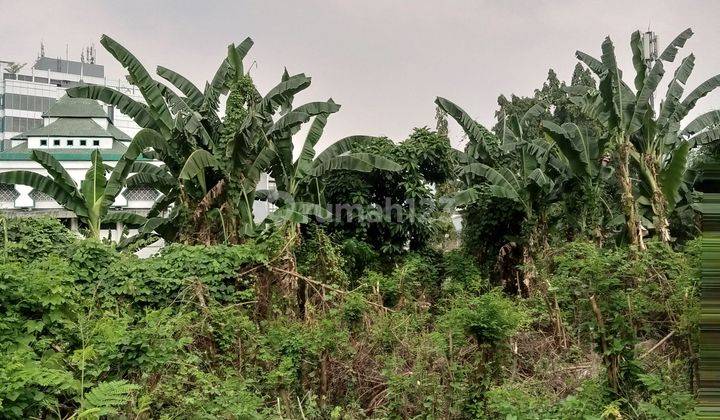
(31, 238)
(489, 319)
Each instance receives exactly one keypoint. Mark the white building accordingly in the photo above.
(36, 114)
(71, 130)
(27, 93)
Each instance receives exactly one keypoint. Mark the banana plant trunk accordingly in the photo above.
(528, 255)
(659, 202)
(94, 227)
(628, 201)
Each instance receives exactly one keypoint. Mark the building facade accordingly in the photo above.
(71, 129)
(35, 113)
(27, 93)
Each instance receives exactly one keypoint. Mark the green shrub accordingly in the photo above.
(30, 238)
(490, 318)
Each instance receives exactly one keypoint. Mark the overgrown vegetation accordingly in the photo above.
(90, 331)
(572, 291)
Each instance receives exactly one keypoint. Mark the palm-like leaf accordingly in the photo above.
(46, 185)
(55, 169)
(672, 176)
(361, 162)
(299, 213)
(93, 186)
(196, 165)
(125, 104)
(142, 79)
(476, 132)
(191, 92)
(126, 217)
(284, 92)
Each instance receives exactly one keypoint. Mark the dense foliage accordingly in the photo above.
(90, 331)
(572, 292)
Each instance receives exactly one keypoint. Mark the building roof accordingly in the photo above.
(76, 108)
(74, 118)
(69, 127)
(21, 152)
(117, 133)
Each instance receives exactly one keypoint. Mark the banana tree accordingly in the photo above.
(654, 143)
(300, 190)
(582, 154)
(91, 200)
(215, 163)
(527, 181)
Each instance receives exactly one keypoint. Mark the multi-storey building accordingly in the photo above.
(26, 93)
(36, 114)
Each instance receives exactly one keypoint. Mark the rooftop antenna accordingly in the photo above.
(650, 55)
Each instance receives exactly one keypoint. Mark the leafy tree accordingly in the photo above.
(634, 132)
(527, 183)
(392, 210)
(90, 201)
(210, 164)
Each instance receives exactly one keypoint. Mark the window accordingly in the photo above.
(96, 142)
(8, 194)
(26, 102)
(141, 194)
(25, 78)
(43, 142)
(71, 142)
(83, 142)
(56, 142)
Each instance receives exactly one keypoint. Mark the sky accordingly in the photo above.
(384, 61)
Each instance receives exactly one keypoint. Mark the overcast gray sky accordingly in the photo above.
(384, 61)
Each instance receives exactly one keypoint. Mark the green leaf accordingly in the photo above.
(642, 104)
(638, 60)
(284, 92)
(671, 177)
(106, 397)
(503, 183)
(675, 90)
(535, 111)
(708, 136)
(475, 131)
(142, 79)
(125, 104)
(594, 64)
(341, 146)
(126, 217)
(361, 162)
(55, 169)
(196, 164)
(47, 186)
(187, 119)
(613, 88)
(541, 179)
(93, 186)
(193, 94)
(144, 139)
(699, 92)
(221, 80)
(308, 151)
(299, 212)
(465, 197)
(162, 182)
(574, 145)
(702, 122)
(670, 52)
